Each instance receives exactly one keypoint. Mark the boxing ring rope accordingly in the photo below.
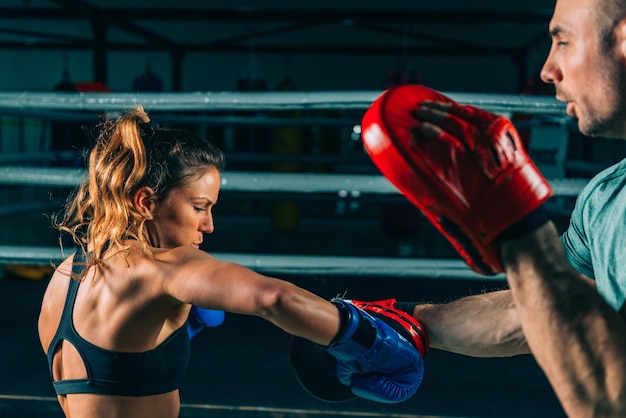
(302, 265)
(49, 403)
(31, 103)
(60, 105)
(342, 185)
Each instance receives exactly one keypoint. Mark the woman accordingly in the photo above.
(113, 317)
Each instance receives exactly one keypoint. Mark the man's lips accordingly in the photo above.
(569, 107)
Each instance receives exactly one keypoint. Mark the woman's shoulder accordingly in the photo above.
(157, 264)
(180, 255)
(59, 282)
(53, 301)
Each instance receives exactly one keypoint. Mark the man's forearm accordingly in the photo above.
(485, 325)
(577, 339)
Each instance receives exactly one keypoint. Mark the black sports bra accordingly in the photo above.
(119, 373)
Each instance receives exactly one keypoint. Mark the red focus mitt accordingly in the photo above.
(472, 182)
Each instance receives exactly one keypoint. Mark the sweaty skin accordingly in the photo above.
(153, 298)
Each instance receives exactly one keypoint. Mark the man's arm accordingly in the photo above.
(485, 325)
(468, 172)
(577, 339)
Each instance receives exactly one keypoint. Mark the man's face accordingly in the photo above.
(588, 74)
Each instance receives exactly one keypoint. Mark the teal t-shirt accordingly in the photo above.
(595, 241)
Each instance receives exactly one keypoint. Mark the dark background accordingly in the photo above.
(241, 368)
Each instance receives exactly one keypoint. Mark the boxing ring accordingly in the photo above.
(36, 169)
(68, 106)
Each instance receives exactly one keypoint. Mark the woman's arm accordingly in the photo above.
(200, 279)
(373, 360)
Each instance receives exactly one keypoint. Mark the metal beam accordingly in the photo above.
(122, 21)
(274, 14)
(351, 49)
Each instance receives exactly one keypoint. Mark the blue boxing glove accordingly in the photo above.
(374, 360)
(200, 318)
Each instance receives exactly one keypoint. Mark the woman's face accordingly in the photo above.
(184, 216)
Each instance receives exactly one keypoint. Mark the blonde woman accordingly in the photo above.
(113, 318)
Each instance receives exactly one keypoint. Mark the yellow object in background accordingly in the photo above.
(286, 140)
(27, 272)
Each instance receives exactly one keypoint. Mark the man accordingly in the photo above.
(565, 302)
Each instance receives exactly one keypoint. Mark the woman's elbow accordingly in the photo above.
(275, 300)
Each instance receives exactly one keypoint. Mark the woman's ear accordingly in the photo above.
(145, 201)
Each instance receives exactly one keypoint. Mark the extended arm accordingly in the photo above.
(484, 325)
(577, 339)
(372, 359)
(201, 280)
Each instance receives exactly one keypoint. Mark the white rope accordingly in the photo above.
(344, 185)
(292, 264)
(30, 102)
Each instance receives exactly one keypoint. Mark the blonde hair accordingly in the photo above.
(129, 153)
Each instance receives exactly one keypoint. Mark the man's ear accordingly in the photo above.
(620, 36)
(145, 201)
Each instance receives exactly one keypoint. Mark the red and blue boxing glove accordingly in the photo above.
(374, 360)
(377, 355)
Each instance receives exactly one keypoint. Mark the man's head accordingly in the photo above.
(587, 63)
